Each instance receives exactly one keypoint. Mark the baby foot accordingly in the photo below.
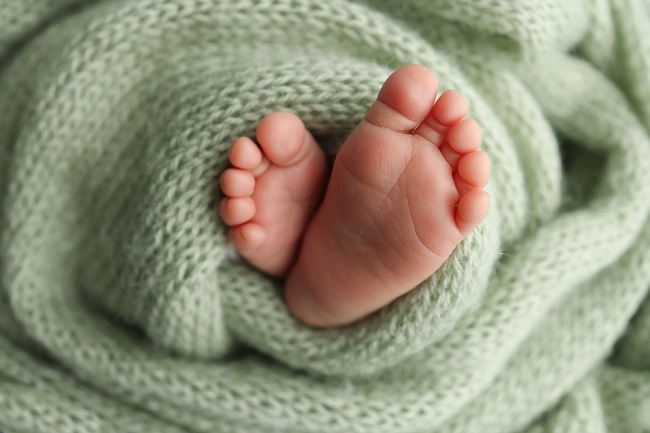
(405, 189)
(272, 191)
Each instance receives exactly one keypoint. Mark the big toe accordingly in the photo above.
(405, 99)
(283, 138)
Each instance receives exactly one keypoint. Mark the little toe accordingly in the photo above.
(450, 108)
(284, 138)
(471, 210)
(465, 136)
(405, 99)
(245, 154)
(238, 210)
(474, 168)
(237, 183)
(247, 237)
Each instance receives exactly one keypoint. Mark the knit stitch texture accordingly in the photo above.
(121, 309)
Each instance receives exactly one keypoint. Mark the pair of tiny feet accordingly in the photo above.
(405, 188)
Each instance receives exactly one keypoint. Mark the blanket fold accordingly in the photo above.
(121, 308)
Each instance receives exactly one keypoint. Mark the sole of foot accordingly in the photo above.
(271, 191)
(406, 187)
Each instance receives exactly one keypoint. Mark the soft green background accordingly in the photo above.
(120, 309)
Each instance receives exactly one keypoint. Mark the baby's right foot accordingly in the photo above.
(405, 189)
(272, 191)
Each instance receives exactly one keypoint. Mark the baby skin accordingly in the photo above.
(405, 188)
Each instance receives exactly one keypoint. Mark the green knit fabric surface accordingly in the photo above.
(122, 308)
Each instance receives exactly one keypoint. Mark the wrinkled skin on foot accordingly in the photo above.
(405, 189)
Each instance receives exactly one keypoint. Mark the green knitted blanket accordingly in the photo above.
(122, 308)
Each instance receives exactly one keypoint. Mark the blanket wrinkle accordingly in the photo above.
(121, 308)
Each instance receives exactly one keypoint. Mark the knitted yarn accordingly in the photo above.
(121, 308)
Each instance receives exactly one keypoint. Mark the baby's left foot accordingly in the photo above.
(271, 191)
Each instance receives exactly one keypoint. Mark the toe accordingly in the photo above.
(237, 183)
(235, 211)
(247, 237)
(450, 155)
(472, 209)
(433, 131)
(461, 186)
(450, 108)
(474, 168)
(465, 136)
(284, 139)
(405, 99)
(245, 154)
